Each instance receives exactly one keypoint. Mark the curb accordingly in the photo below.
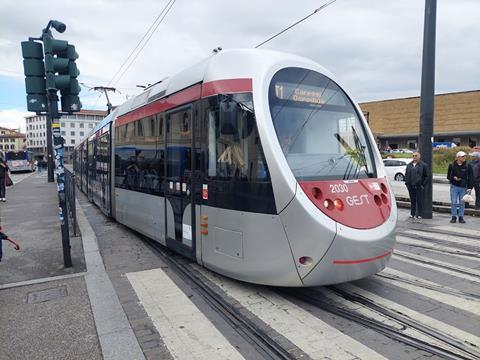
(437, 206)
(440, 181)
(117, 340)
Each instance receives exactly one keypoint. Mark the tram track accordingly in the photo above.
(438, 264)
(468, 248)
(435, 287)
(266, 346)
(447, 347)
(442, 344)
(458, 252)
(445, 232)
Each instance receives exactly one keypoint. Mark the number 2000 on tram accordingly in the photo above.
(254, 163)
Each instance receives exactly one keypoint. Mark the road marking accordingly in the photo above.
(437, 236)
(447, 329)
(462, 230)
(468, 305)
(186, 332)
(449, 250)
(13, 177)
(313, 336)
(411, 259)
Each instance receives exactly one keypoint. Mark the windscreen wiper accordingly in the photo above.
(361, 148)
(349, 151)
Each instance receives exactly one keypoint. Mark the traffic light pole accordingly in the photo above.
(50, 164)
(54, 117)
(49, 68)
(427, 100)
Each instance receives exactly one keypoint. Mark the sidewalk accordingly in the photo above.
(47, 311)
(441, 198)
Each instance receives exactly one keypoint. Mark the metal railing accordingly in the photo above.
(70, 199)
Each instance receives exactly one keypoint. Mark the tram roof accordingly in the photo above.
(217, 66)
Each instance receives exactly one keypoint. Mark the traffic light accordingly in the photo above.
(70, 100)
(61, 71)
(34, 71)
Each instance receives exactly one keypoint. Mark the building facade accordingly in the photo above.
(74, 128)
(395, 123)
(11, 140)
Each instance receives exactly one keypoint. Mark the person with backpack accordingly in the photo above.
(475, 164)
(461, 179)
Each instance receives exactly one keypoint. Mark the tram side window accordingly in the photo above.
(234, 147)
(139, 159)
(236, 168)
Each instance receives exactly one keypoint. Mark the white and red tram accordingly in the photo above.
(255, 164)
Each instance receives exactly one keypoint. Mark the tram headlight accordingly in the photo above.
(338, 204)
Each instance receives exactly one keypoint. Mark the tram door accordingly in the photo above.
(179, 205)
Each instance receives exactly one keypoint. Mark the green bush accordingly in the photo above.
(441, 157)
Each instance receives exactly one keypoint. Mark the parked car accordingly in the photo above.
(396, 168)
(402, 151)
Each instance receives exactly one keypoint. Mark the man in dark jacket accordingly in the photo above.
(461, 178)
(416, 178)
(3, 178)
(475, 163)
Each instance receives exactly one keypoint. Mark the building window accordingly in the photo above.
(72, 133)
(82, 133)
(72, 125)
(81, 125)
(72, 141)
(62, 124)
(63, 133)
(90, 126)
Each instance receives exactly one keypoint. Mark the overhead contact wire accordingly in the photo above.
(298, 22)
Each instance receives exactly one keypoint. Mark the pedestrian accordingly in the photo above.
(4, 236)
(461, 179)
(3, 178)
(416, 178)
(475, 164)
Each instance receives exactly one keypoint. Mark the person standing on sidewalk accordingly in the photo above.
(416, 178)
(3, 178)
(4, 236)
(475, 164)
(460, 176)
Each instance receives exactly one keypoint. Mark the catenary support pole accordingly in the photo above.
(427, 99)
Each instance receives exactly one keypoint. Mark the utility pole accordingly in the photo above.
(427, 99)
(105, 90)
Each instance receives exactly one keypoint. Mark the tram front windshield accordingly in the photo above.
(318, 128)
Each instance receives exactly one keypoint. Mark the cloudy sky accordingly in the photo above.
(374, 47)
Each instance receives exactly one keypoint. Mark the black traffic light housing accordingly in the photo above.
(62, 72)
(34, 70)
(50, 68)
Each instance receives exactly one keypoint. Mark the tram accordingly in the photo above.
(255, 164)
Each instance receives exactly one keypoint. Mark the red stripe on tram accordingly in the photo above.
(360, 261)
